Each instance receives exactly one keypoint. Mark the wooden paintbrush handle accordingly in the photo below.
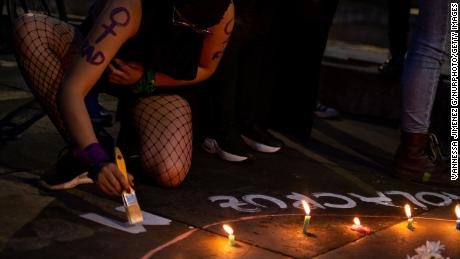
(121, 162)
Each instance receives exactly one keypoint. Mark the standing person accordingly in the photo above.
(141, 46)
(304, 30)
(418, 156)
(398, 33)
(241, 89)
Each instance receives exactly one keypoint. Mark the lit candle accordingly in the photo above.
(306, 222)
(359, 228)
(410, 220)
(457, 211)
(231, 237)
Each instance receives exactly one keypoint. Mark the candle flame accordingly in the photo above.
(228, 229)
(306, 208)
(457, 211)
(408, 211)
(357, 221)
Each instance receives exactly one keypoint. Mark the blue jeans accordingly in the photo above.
(427, 52)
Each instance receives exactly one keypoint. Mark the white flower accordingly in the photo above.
(432, 250)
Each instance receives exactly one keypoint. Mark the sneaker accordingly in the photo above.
(67, 174)
(261, 140)
(325, 112)
(229, 148)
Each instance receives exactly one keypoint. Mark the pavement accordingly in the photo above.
(343, 172)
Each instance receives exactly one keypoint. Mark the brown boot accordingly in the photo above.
(418, 159)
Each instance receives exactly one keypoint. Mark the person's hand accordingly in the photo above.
(111, 181)
(125, 73)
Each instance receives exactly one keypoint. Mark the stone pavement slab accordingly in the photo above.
(395, 241)
(265, 218)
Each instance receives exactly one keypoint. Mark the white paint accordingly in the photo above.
(452, 196)
(300, 197)
(150, 219)
(251, 197)
(348, 205)
(446, 201)
(408, 197)
(234, 203)
(123, 226)
(381, 199)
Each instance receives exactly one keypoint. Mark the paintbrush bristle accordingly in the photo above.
(133, 210)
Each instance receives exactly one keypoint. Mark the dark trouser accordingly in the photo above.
(398, 16)
(304, 30)
(240, 90)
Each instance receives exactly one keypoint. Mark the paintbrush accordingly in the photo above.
(132, 208)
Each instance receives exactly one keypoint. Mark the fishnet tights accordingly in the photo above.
(45, 48)
(164, 127)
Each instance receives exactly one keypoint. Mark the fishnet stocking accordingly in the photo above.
(45, 47)
(164, 127)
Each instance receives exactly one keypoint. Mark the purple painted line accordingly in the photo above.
(189, 233)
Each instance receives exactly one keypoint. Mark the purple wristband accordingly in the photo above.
(94, 157)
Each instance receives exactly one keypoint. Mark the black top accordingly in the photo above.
(158, 44)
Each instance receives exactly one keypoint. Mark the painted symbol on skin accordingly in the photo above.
(119, 17)
(228, 31)
(217, 55)
(92, 56)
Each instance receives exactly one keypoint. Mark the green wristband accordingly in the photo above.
(146, 84)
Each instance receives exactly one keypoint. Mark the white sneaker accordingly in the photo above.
(210, 145)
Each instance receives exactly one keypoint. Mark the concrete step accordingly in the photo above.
(351, 83)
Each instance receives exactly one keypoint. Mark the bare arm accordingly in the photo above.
(212, 51)
(118, 21)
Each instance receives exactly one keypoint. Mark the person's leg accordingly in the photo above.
(423, 65)
(417, 156)
(223, 137)
(398, 27)
(398, 31)
(164, 129)
(45, 48)
(304, 30)
(257, 73)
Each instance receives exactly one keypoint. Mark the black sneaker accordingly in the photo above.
(67, 173)
(261, 140)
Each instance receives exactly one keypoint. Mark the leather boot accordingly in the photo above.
(418, 159)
